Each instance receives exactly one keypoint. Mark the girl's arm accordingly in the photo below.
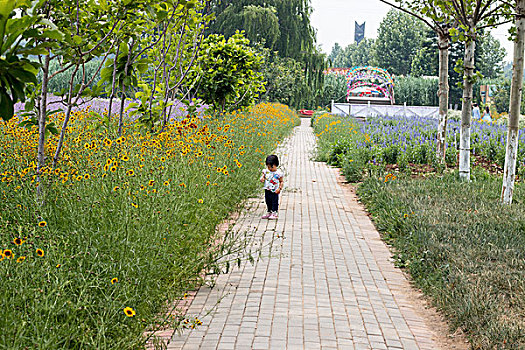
(281, 183)
(262, 177)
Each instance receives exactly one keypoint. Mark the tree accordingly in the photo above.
(284, 79)
(178, 37)
(345, 59)
(361, 56)
(515, 100)
(260, 23)
(17, 72)
(336, 51)
(296, 36)
(426, 61)
(228, 72)
(399, 37)
(471, 16)
(491, 56)
(439, 21)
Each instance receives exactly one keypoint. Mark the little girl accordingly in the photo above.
(273, 185)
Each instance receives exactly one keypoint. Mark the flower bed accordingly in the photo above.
(126, 223)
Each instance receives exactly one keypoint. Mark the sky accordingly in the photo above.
(334, 22)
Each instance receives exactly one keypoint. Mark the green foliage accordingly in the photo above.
(353, 55)
(16, 70)
(284, 79)
(501, 98)
(416, 91)
(399, 38)
(60, 82)
(426, 60)
(491, 56)
(295, 35)
(260, 23)
(228, 72)
(283, 27)
(334, 88)
(462, 248)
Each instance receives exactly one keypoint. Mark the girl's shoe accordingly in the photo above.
(266, 216)
(273, 216)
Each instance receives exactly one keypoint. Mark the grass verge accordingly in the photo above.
(462, 248)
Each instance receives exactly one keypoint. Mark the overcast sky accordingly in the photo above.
(334, 21)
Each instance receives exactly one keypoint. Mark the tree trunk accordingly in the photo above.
(41, 157)
(114, 75)
(66, 119)
(466, 108)
(123, 93)
(443, 91)
(121, 115)
(514, 110)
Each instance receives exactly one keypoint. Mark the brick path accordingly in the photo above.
(328, 283)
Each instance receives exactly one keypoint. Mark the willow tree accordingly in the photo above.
(471, 16)
(440, 23)
(286, 24)
(515, 102)
(260, 23)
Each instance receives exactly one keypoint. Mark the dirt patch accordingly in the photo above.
(442, 336)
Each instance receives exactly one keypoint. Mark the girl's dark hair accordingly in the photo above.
(487, 109)
(272, 160)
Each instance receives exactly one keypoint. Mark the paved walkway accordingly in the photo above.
(324, 280)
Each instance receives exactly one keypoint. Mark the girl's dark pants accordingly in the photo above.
(272, 200)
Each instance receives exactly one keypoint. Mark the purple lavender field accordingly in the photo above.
(178, 111)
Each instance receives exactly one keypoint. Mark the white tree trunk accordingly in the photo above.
(514, 110)
(466, 108)
(443, 95)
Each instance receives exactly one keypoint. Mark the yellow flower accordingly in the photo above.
(113, 169)
(116, 188)
(151, 182)
(201, 201)
(20, 259)
(18, 241)
(129, 311)
(134, 205)
(130, 172)
(42, 224)
(166, 183)
(40, 252)
(114, 280)
(125, 158)
(8, 253)
(58, 265)
(405, 216)
(86, 176)
(183, 185)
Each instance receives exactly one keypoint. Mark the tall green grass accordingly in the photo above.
(462, 247)
(148, 219)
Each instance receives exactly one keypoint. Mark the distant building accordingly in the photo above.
(359, 32)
